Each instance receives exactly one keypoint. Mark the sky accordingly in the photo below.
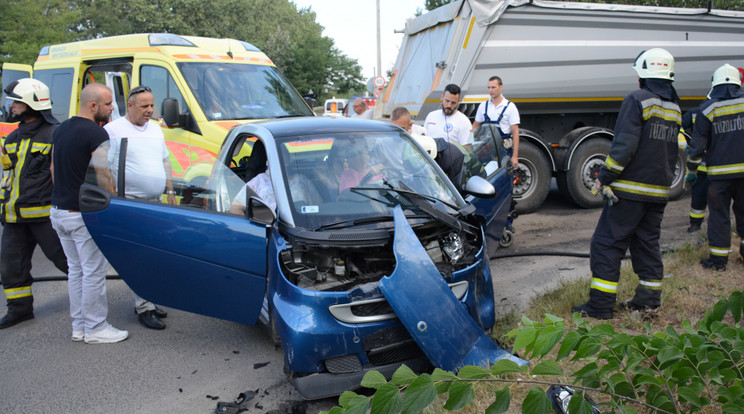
(353, 27)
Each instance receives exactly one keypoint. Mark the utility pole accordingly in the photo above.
(379, 53)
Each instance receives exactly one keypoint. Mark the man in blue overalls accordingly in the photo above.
(504, 114)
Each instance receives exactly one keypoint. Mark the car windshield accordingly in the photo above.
(241, 91)
(357, 178)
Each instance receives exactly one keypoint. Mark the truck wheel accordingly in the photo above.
(532, 178)
(680, 169)
(583, 171)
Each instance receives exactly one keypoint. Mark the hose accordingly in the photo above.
(64, 278)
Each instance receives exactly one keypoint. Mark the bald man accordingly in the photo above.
(77, 141)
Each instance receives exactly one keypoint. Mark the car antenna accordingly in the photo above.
(229, 50)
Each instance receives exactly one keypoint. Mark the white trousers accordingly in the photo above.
(87, 272)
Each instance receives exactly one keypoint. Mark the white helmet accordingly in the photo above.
(32, 92)
(726, 74)
(655, 63)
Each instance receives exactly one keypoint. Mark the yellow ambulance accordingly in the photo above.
(202, 87)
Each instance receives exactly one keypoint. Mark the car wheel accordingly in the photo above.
(532, 178)
(507, 238)
(680, 170)
(583, 170)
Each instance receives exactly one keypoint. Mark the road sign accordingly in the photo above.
(379, 81)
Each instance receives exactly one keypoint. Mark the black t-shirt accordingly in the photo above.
(73, 143)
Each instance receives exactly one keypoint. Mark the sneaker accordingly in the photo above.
(78, 335)
(693, 227)
(108, 335)
(592, 312)
(709, 263)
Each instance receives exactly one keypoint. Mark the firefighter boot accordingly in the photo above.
(599, 306)
(645, 299)
(715, 263)
(19, 310)
(694, 226)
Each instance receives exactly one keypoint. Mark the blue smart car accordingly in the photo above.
(343, 237)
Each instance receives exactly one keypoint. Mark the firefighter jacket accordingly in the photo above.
(640, 165)
(719, 136)
(26, 193)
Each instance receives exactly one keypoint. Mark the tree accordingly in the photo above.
(433, 4)
(28, 25)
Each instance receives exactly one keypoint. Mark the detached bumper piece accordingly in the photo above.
(424, 303)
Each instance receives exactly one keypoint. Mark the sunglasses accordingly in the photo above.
(138, 89)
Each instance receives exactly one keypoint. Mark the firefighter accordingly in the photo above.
(719, 136)
(698, 180)
(639, 170)
(25, 197)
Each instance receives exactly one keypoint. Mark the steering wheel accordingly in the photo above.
(368, 177)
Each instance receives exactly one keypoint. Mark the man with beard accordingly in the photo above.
(448, 123)
(76, 142)
(25, 197)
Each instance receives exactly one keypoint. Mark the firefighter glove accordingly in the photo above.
(691, 178)
(5, 160)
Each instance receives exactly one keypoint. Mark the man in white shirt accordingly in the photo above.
(360, 109)
(148, 170)
(449, 123)
(501, 111)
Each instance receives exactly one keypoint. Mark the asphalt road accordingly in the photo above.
(198, 361)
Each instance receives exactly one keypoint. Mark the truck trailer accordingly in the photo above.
(567, 66)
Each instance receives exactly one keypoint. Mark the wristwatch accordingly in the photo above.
(170, 192)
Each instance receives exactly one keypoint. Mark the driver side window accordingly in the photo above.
(163, 86)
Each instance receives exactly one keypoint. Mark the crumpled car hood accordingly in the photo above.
(424, 303)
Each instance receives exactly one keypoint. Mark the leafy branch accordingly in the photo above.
(667, 372)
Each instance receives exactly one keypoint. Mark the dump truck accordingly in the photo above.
(567, 66)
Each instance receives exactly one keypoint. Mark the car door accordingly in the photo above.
(193, 255)
(488, 158)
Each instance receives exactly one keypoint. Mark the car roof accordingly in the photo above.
(280, 128)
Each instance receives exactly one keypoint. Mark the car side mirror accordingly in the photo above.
(479, 187)
(171, 112)
(259, 212)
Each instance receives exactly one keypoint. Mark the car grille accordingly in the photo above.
(390, 345)
(343, 364)
(398, 353)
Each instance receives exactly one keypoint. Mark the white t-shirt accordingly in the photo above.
(455, 127)
(145, 174)
(511, 115)
(364, 115)
(261, 185)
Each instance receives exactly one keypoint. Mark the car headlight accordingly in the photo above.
(452, 247)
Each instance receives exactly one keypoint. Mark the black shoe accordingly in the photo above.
(158, 312)
(629, 305)
(13, 319)
(710, 263)
(150, 320)
(592, 312)
(693, 227)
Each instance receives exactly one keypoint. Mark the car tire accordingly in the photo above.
(577, 182)
(533, 178)
(680, 170)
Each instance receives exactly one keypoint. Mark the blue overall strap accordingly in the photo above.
(487, 120)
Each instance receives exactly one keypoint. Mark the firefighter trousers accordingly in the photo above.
(699, 199)
(720, 195)
(627, 225)
(19, 241)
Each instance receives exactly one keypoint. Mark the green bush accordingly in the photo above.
(665, 372)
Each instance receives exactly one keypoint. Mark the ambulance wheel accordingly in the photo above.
(507, 238)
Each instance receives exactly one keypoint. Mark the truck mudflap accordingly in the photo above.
(437, 321)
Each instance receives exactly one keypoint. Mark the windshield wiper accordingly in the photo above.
(421, 202)
(354, 222)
